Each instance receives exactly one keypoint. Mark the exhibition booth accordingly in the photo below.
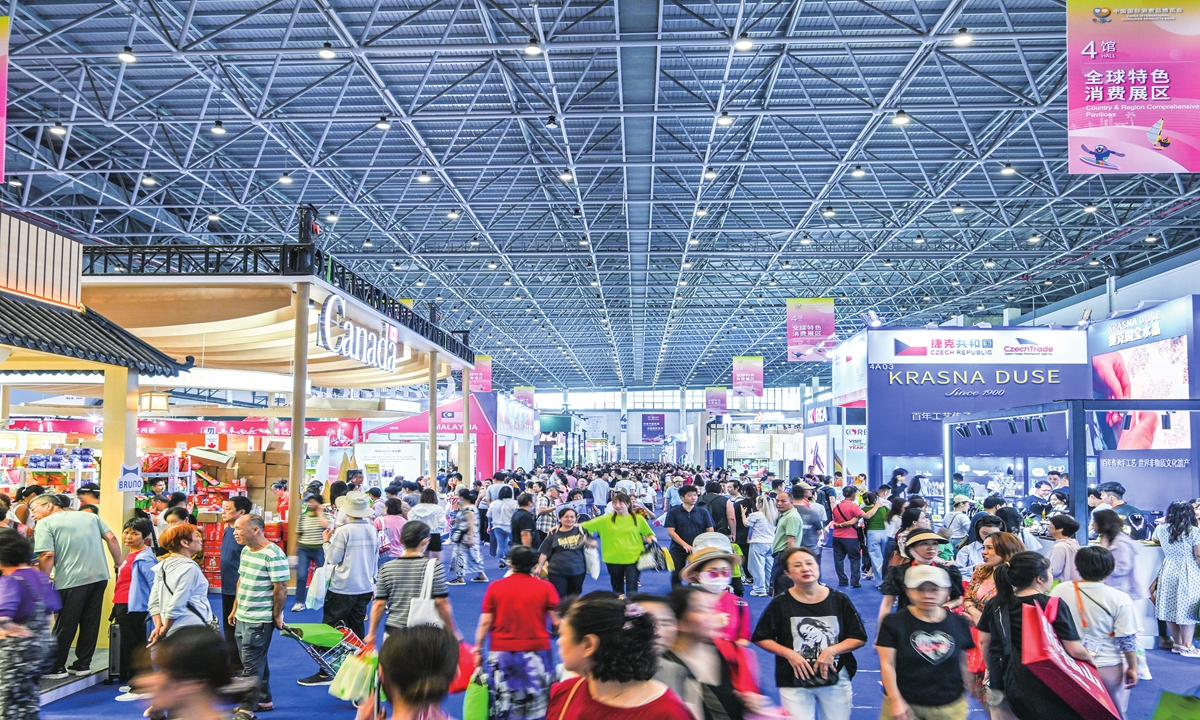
(756, 442)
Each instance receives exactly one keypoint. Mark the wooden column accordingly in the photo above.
(296, 475)
(5, 405)
(433, 415)
(118, 445)
(464, 447)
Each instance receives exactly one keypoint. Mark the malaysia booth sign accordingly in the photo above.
(376, 349)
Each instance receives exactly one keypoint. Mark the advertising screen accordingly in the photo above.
(816, 454)
(1156, 370)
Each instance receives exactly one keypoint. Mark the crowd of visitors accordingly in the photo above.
(953, 595)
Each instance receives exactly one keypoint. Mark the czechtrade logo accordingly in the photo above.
(1028, 347)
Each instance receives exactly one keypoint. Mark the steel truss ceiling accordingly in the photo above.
(594, 251)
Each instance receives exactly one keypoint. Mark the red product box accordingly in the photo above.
(211, 564)
(274, 531)
(214, 581)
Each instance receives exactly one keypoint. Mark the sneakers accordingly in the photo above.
(298, 607)
(131, 696)
(755, 593)
(79, 671)
(314, 680)
(481, 578)
(456, 581)
(126, 688)
(58, 674)
(243, 715)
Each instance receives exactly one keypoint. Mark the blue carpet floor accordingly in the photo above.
(293, 702)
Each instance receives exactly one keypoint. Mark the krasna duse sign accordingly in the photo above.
(339, 335)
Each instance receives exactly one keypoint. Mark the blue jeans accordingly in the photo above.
(760, 566)
(876, 541)
(304, 556)
(503, 538)
(253, 640)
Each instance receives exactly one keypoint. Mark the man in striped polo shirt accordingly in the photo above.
(257, 609)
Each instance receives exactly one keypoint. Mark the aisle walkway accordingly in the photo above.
(288, 663)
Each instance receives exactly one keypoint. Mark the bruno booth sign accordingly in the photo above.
(339, 335)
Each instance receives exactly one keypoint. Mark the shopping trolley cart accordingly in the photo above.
(328, 645)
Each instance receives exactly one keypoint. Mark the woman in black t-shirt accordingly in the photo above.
(923, 651)
(562, 555)
(1023, 580)
(812, 631)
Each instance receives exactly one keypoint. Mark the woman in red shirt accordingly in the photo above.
(611, 645)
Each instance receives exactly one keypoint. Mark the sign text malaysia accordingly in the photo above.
(377, 349)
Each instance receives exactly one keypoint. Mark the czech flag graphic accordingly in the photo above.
(902, 350)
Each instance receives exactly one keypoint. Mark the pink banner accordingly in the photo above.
(716, 399)
(1133, 88)
(810, 322)
(341, 433)
(481, 376)
(748, 376)
(524, 395)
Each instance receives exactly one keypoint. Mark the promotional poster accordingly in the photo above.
(654, 427)
(716, 400)
(810, 322)
(481, 376)
(1132, 88)
(849, 364)
(524, 394)
(748, 376)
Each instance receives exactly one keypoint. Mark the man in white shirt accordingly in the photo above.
(600, 489)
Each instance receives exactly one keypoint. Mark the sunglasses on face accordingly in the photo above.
(717, 573)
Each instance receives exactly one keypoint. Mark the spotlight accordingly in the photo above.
(126, 55)
(806, 240)
(1166, 421)
(1035, 238)
(989, 263)
(566, 176)
(284, 179)
(888, 262)
(367, 243)
(424, 177)
(858, 171)
(491, 266)
(701, 212)
(552, 123)
(963, 38)
(331, 217)
(1008, 169)
(149, 181)
(218, 128)
(1151, 238)
(744, 43)
(1087, 317)
(901, 118)
(984, 428)
(453, 214)
(1012, 426)
(58, 129)
(724, 120)
(213, 217)
(1028, 424)
(710, 174)
(15, 182)
(873, 319)
(420, 283)
(1127, 421)
(326, 52)
(1089, 208)
(963, 430)
(383, 123)
(958, 209)
(532, 48)
(1041, 423)
(828, 211)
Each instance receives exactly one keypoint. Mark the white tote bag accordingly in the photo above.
(591, 559)
(422, 610)
(318, 586)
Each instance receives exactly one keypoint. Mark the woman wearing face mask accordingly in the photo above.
(710, 567)
(623, 538)
(812, 630)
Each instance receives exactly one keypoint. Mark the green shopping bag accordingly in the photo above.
(1172, 706)
(475, 700)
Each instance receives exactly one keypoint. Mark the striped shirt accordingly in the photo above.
(400, 582)
(309, 532)
(256, 577)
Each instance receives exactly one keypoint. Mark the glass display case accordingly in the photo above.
(931, 468)
(996, 475)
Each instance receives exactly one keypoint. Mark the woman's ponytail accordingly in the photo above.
(1022, 570)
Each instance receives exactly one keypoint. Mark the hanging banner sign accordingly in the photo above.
(810, 322)
(716, 400)
(654, 427)
(524, 395)
(481, 377)
(356, 342)
(1132, 88)
(748, 376)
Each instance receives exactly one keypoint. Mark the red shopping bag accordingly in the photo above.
(1075, 682)
(466, 668)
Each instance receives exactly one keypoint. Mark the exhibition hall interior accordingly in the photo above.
(889, 270)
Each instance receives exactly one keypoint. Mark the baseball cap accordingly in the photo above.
(960, 499)
(918, 574)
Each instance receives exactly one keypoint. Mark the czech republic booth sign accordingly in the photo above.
(1133, 90)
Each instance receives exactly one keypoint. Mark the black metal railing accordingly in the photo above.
(281, 259)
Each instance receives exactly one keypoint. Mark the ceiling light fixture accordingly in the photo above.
(367, 243)
(693, 241)
(126, 55)
(506, 283)
(1008, 169)
(1089, 208)
(701, 212)
(491, 266)
(963, 38)
(421, 283)
(552, 123)
(331, 217)
(901, 118)
(58, 129)
(326, 52)
(686, 265)
(583, 243)
(806, 240)
(724, 120)
(15, 182)
(682, 282)
(888, 262)
(397, 267)
(284, 179)
(149, 181)
(474, 242)
(919, 240)
(566, 176)
(453, 214)
(1035, 238)
(858, 171)
(829, 211)
(958, 209)
(1093, 262)
(989, 263)
(532, 48)
(383, 123)
(710, 174)
(213, 217)
(1151, 238)
(595, 283)
(744, 43)
(424, 177)
(218, 128)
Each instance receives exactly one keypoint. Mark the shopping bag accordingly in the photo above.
(591, 559)
(356, 677)
(475, 701)
(422, 610)
(1075, 682)
(1172, 706)
(652, 558)
(976, 663)
(317, 587)
(466, 668)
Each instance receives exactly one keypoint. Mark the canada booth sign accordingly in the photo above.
(377, 349)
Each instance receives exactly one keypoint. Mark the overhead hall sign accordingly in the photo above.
(1132, 87)
(1028, 346)
(339, 335)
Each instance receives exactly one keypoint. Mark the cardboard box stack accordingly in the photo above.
(211, 562)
